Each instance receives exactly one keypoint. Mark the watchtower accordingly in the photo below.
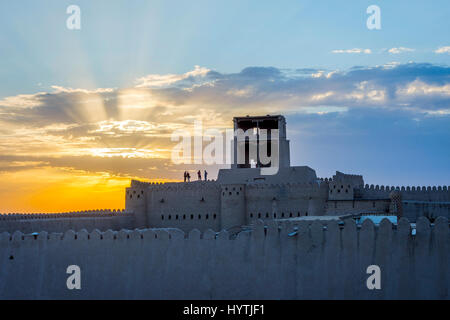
(254, 136)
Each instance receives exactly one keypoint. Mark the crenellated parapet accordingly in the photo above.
(184, 205)
(65, 215)
(182, 186)
(290, 185)
(417, 193)
(141, 184)
(136, 184)
(407, 188)
(176, 190)
(259, 230)
(267, 261)
(342, 186)
(102, 219)
(294, 192)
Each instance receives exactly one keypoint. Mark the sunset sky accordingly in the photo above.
(84, 111)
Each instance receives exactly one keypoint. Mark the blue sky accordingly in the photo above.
(103, 99)
(124, 40)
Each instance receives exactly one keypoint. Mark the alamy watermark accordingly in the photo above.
(254, 147)
(73, 22)
(374, 280)
(374, 20)
(74, 280)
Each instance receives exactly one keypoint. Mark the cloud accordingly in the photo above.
(22, 100)
(419, 88)
(443, 50)
(354, 50)
(122, 133)
(127, 130)
(171, 106)
(400, 50)
(59, 89)
(159, 81)
(370, 141)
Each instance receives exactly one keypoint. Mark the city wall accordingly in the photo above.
(431, 210)
(310, 261)
(429, 202)
(184, 205)
(60, 222)
(285, 200)
(433, 194)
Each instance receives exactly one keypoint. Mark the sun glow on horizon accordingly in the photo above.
(72, 149)
(56, 190)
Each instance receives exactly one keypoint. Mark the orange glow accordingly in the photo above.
(47, 190)
(56, 164)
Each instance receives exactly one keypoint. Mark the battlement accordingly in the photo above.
(182, 186)
(63, 215)
(261, 229)
(419, 193)
(142, 184)
(268, 261)
(175, 186)
(300, 185)
(408, 188)
(101, 219)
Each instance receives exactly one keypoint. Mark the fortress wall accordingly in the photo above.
(430, 202)
(318, 200)
(437, 194)
(357, 206)
(342, 186)
(60, 222)
(431, 210)
(233, 206)
(312, 262)
(266, 201)
(184, 205)
(136, 201)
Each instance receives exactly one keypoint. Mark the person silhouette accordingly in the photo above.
(199, 174)
(188, 176)
(185, 176)
(206, 175)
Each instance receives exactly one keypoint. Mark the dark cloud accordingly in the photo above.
(387, 147)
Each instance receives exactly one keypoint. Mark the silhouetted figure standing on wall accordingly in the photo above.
(188, 176)
(185, 176)
(206, 175)
(199, 174)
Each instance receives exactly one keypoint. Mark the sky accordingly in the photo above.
(84, 111)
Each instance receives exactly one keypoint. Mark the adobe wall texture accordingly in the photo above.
(218, 205)
(184, 205)
(430, 194)
(213, 205)
(60, 222)
(271, 262)
(414, 209)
